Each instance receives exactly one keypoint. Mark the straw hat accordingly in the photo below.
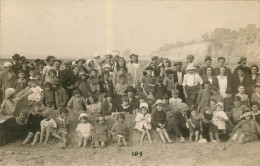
(159, 101)
(144, 105)
(190, 67)
(83, 115)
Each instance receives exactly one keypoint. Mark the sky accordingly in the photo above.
(83, 28)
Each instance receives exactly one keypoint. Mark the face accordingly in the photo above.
(52, 61)
(115, 58)
(101, 119)
(219, 108)
(7, 69)
(174, 95)
(38, 77)
(121, 62)
(91, 100)
(222, 71)
(80, 62)
(33, 84)
(183, 112)
(243, 63)
(41, 66)
(57, 65)
(248, 117)
(93, 73)
(159, 107)
(240, 73)
(193, 113)
(91, 64)
(221, 62)
(208, 62)
(105, 76)
(120, 119)
(178, 67)
(143, 110)
(37, 109)
(155, 61)
(83, 76)
(47, 88)
(52, 74)
(130, 94)
(125, 102)
(257, 88)
(207, 86)
(149, 72)
(167, 64)
(109, 99)
(190, 71)
(133, 59)
(31, 73)
(255, 108)
(212, 104)
(106, 69)
(254, 70)
(83, 120)
(209, 71)
(77, 95)
(22, 117)
(190, 60)
(241, 89)
(237, 103)
(24, 66)
(21, 75)
(76, 70)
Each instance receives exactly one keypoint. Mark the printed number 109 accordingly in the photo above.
(140, 154)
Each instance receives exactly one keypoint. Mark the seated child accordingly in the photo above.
(244, 97)
(159, 121)
(159, 89)
(237, 110)
(174, 100)
(37, 92)
(38, 79)
(77, 103)
(100, 133)
(247, 130)
(119, 130)
(48, 127)
(33, 124)
(219, 119)
(256, 112)
(125, 106)
(84, 130)
(216, 95)
(48, 94)
(63, 125)
(93, 105)
(194, 125)
(143, 122)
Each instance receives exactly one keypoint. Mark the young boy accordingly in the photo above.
(159, 90)
(237, 110)
(148, 81)
(243, 96)
(216, 95)
(50, 62)
(194, 125)
(63, 125)
(174, 100)
(256, 112)
(169, 82)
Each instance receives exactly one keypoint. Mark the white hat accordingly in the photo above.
(190, 67)
(106, 65)
(73, 63)
(159, 101)
(7, 64)
(219, 103)
(144, 105)
(83, 115)
(88, 61)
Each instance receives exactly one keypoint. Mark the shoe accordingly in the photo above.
(218, 140)
(182, 140)
(213, 141)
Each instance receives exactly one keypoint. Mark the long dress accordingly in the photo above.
(222, 81)
(143, 121)
(135, 76)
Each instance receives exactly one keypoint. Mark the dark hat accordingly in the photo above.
(169, 71)
(190, 57)
(221, 58)
(16, 56)
(241, 59)
(155, 57)
(68, 63)
(208, 58)
(130, 89)
(177, 63)
(149, 68)
(134, 55)
(124, 98)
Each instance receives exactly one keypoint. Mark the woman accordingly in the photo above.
(240, 78)
(90, 66)
(209, 77)
(134, 70)
(72, 80)
(165, 66)
(13, 129)
(119, 69)
(108, 105)
(80, 63)
(254, 77)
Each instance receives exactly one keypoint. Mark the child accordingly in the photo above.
(37, 92)
(33, 124)
(120, 88)
(31, 73)
(125, 106)
(159, 89)
(93, 105)
(100, 133)
(168, 82)
(50, 62)
(84, 130)
(106, 85)
(77, 103)
(216, 95)
(82, 84)
(237, 110)
(38, 79)
(52, 74)
(134, 71)
(243, 96)
(48, 94)
(108, 106)
(194, 125)
(148, 82)
(174, 100)
(204, 97)
(159, 121)
(119, 130)
(256, 96)
(21, 83)
(63, 125)
(247, 130)
(93, 86)
(256, 112)
(143, 122)
(48, 127)
(219, 119)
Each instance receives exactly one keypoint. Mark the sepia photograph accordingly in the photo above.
(129, 83)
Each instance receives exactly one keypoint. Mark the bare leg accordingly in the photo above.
(47, 137)
(124, 141)
(103, 144)
(191, 136)
(57, 136)
(36, 137)
(217, 136)
(97, 144)
(166, 135)
(149, 136)
(211, 136)
(80, 140)
(197, 133)
(28, 138)
(41, 137)
(142, 136)
(64, 138)
(161, 134)
(85, 142)
(119, 141)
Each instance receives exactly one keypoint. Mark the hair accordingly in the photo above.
(214, 88)
(237, 98)
(204, 83)
(136, 58)
(120, 115)
(213, 100)
(105, 72)
(52, 70)
(100, 116)
(241, 85)
(220, 68)
(75, 66)
(124, 65)
(63, 110)
(84, 117)
(76, 91)
(210, 68)
(37, 103)
(175, 91)
(221, 58)
(257, 69)
(167, 60)
(25, 112)
(94, 98)
(47, 84)
(254, 103)
(48, 59)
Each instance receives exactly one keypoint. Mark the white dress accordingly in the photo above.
(222, 81)
(135, 73)
(142, 121)
(84, 129)
(219, 119)
(36, 95)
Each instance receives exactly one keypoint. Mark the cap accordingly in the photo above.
(130, 89)
(190, 57)
(159, 101)
(190, 67)
(241, 59)
(155, 57)
(149, 68)
(208, 58)
(134, 55)
(8, 64)
(83, 115)
(144, 105)
(80, 59)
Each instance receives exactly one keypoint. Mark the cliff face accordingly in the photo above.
(223, 42)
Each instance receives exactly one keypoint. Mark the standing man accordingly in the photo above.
(242, 65)
(157, 70)
(221, 62)
(202, 71)
(178, 78)
(190, 59)
(16, 66)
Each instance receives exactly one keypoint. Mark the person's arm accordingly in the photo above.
(69, 105)
(22, 96)
(65, 98)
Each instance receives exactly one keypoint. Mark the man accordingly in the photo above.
(133, 101)
(178, 78)
(221, 62)
(115, 55)
(157, 70)
(61, 95)
(190, 59)
(202, 71)
(242, 63)
(16, 66)
(57, 64)
(66, 74)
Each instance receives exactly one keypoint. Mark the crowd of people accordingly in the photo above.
(203, 103)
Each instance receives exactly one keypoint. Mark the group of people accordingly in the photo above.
(165, 97)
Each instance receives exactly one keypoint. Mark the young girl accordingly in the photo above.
(125, 106)
(82, 84)
(48, 94)
(243, 96)
(247, 130)
(143, 122)
(159, 121)
(134, 70)
(219, 119)
(120, 131)
(93, 86)
(216, 95)
(37, 93)
(38, 79)
(21, 83)
(194, 126)
(84, 130)
(108, 106)
(93, 105)
(77, 103)
(50, 62)
(100, 133)
(119, 69)
(120, 88)
(52, 74)
(204, 97)
(63, 125)
(33, 124)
